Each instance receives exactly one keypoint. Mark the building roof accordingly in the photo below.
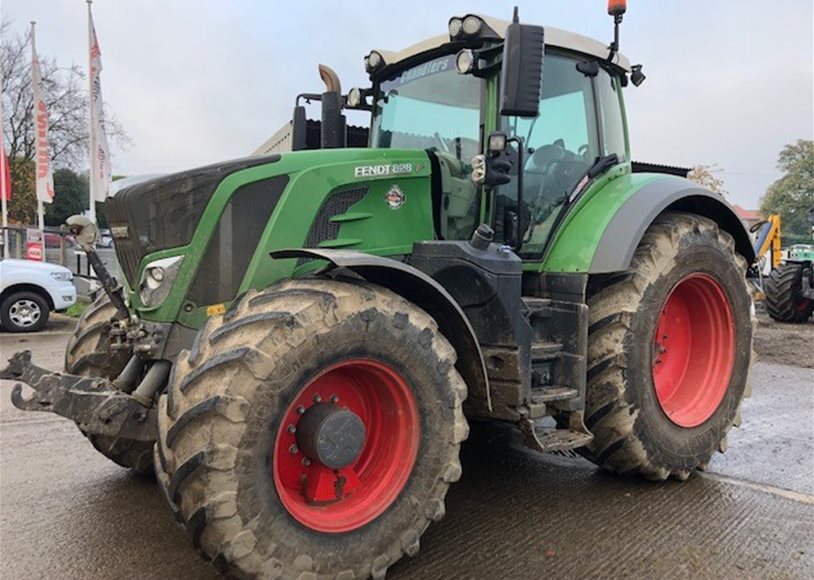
(747, 214)
(553, 37)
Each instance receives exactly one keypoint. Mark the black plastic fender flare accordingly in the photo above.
(417, 287)
(625, 230)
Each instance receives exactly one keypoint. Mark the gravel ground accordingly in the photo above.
(787, 344)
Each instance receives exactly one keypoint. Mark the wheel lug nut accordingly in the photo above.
(306, 462)
(317, 398)
(293, 449)
(334, 399)
(292, 429)
(300, 410)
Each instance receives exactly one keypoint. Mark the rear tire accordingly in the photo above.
(88, 354)
(229, 457)
(784, 295)
(685, 288)
(24, 312)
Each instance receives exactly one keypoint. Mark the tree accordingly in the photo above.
(792, 196)
(703, 176)
(65, 94)
(71, 197)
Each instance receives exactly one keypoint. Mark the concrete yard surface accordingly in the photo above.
(67, 512)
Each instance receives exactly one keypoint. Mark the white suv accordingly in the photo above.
(30, 290)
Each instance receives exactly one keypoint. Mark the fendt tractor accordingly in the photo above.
(299, 340)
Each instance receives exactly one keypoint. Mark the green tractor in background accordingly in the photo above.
(790, 287)
(299, 341)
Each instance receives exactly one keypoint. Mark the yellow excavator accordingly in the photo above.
(768, 253)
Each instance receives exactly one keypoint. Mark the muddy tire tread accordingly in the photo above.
(87, 354)
(609, 415)
(202, 419)
(782, 294)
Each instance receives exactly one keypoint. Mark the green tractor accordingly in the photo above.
(790, 287)
(299, 341)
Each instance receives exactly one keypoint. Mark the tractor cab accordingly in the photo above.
(447, 94)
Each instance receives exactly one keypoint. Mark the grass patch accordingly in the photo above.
(76, 310)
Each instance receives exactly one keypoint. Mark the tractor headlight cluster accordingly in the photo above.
(469, 26)
(374, 61)
(354, 98)
(157, 279)
(465, 61)
(478, 175)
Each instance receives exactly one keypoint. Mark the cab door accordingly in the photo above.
(579, 122)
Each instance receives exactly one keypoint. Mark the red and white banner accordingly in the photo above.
(5, 174)
(100, 158)
(45, 179)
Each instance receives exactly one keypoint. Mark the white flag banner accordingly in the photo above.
(45, 178)
(100, 161)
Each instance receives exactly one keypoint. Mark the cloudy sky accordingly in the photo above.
(197, 81)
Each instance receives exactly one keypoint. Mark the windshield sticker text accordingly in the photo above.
(426, 69)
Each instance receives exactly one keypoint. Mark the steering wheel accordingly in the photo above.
(544, 158)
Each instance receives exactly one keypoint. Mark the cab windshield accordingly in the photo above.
(429, 106)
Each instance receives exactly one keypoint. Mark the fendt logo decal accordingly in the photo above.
(382, 170)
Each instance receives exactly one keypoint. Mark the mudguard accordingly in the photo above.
(604, 231)
(417, 287)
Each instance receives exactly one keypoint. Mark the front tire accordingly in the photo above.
(669, 351)
(89, 354)
(784, 294)
(242, 466)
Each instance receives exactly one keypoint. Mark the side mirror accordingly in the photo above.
(84, 231)
(521, 78)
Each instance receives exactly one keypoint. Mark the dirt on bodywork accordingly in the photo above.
(787, 344)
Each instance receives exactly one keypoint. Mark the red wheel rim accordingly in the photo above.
(341, 500)
(693, 350)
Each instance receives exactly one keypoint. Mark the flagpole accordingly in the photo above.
(40, 208)
(6, 183)
(91, 132)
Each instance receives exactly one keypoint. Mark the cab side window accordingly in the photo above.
(561, 144)
(610, 106)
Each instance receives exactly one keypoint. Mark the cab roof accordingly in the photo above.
(553, 37)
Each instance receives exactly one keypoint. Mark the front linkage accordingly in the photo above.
(121, 408)
(94, 404)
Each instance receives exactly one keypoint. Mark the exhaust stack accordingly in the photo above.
(333, 121)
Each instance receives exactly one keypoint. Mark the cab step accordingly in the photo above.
(553, 393)
(546, 439)
(545, 351)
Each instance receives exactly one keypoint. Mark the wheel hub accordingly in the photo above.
(346, 445)
(331, 435)
(24, 313)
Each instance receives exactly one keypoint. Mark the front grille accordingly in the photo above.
(164, 212)
(127, 248)
(322, 228)
(336, 203)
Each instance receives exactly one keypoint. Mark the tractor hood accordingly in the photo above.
(298, 195)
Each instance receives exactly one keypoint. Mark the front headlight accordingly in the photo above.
(64, 276)
(157, 279)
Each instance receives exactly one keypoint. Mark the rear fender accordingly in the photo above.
(417, 287)
(613, 224)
